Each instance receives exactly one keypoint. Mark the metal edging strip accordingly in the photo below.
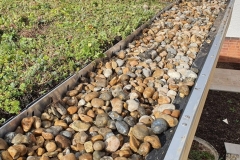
(183, 137)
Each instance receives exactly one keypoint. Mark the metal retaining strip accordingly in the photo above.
(181, 142)
(38, 106)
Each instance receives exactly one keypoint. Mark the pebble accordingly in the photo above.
(97, 102)
(98, 145)
(159, 125)
(88, 146)
(27, 123)
(61, 109)
(130, 120)
(122, 127)
(146, 72)
(144, 148)
(133, 142)
(80, 126)
(51, 146)
(163, 100)
(153, 140)
(107, 72)
(132, 105)
(101, 120)
(98, 154)
(175, 113)
(86, 118)
(173, 74)
(145, 119)
(62, 141)
(148, 92)
(69, 156)
(120, 62)
(3, 144)
(80, 137)
(37, 122)
(112, 144)
(140, 131)
(20, 138)
(72, 109)
(117, 105)
(183, 90)
(162, 107)
(86, 156)
(91, 95)
(106, 96)
(172, 122)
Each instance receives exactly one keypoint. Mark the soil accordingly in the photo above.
(220, 106)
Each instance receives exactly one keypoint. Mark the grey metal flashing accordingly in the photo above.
(181, 142)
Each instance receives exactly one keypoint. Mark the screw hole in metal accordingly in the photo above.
(187, 116)
(184, 124)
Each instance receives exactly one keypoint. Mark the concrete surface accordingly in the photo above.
(226, 80)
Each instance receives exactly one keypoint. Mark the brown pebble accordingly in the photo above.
(6, 156)
(86, 156)
(62, 141)
(155, 96)
(69, 156)
(90, 113)
(175, 113)
(148, 92)
(72, 109)
(85, 118)
(40, 151)
(19, 130)
(80, 147)
(134, 143)
(113, 81)
(164, 100)
(120, 158)
(27, 123)
(47, 135)
(97, 138)
(167, 111)
(97, 102)
(17, 150)
(51, 146)
(3, 144)
(91, 95)
(144, 148)
(124, 153)
(153, 140)
(61, 123)
(44, 158)
(170, 120)
(72, 93)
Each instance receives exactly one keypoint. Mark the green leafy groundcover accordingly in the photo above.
(44, 41)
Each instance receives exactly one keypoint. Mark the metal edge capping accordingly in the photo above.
(36, 107)
(182, 140)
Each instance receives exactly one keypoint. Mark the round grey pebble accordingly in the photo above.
(159, 125)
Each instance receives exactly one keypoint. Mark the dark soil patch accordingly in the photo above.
(220, 106)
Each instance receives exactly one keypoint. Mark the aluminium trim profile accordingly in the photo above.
(181, 142)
